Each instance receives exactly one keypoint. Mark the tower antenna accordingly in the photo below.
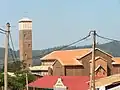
(26, 14)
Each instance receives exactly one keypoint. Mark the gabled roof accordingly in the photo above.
(66, 57)
(99, 66)
(71, 82)
(107, 80)
(69, 57)
(116, 60)
(91, 52)
(98, 57)
(59, 83)
(56, 54)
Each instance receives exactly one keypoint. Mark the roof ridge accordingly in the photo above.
(91, 51)
(72, 49)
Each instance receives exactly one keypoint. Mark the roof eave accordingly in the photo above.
(72, 65)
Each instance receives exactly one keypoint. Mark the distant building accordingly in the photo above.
(75, 83)
(25, 41)
(108, 83)
(75, 63)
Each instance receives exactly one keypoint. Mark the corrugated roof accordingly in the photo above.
(107, 80)
(72, 82)
(35, 68)
(67, 57)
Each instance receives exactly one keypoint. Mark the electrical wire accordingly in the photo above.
(13, 46)
(73, 43)
(106, 38)
(11, 53)
(12, 50)
(3, 30)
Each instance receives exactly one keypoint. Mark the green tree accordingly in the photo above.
(17, 82)
(1, 79)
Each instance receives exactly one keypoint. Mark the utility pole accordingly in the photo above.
(6, 55)
(92, 65)
(26, 73)
(26, 81)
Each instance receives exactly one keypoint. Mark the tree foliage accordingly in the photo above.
(17, 82)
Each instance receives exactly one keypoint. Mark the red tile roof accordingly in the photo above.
(72, 82)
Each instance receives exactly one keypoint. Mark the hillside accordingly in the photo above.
(111, 47)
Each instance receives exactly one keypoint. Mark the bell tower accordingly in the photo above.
(25, 42)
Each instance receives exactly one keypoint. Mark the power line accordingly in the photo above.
(72, 43)
(11, 42)
(75, 42)
(3, 30)
(11, 52)
(107, 38)
(13, 46)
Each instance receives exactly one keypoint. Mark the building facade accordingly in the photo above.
(25, 41)
(77, 62)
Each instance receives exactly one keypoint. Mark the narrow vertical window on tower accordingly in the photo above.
(29, 34)
(29, 45)
(25, 56)
(24, 35)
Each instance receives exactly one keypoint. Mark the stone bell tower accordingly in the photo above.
(25, 42)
